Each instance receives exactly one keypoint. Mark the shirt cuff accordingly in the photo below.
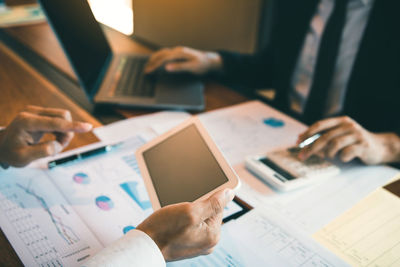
(136, 248)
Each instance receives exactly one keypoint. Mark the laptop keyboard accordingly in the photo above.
(133, 81)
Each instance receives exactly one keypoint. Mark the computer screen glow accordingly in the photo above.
(116, 14)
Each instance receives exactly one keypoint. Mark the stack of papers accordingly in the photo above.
(262, 238)
(369, 233)
(65, 215)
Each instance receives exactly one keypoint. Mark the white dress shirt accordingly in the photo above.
(134, 249)
(356, 20)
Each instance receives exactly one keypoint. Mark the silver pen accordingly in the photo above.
(309, 140)
(82, 155)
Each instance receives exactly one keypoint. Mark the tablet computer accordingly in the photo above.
(184, 165)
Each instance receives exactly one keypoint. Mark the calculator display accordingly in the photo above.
(284, 175)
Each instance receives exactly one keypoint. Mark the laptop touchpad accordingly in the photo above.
(179, 89)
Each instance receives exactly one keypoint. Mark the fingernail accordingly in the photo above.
(86, 126)
(169, 67)
(229, 194)
(57, 147)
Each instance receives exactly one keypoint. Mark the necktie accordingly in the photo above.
(326, 62)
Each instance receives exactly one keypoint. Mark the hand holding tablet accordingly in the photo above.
(184, 165)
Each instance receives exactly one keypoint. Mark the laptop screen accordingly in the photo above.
(81, 38)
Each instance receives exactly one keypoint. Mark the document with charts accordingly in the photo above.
(251, 128)
(62, 216)
(369, 233)
(263, 238)
(40, 224)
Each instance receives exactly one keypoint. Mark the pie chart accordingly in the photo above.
(104, 203)
(81, 178)
(274, 122)
(127, 229)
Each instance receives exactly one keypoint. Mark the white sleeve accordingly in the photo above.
(134, 249)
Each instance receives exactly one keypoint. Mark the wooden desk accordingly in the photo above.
(41, 39)
(22, 85)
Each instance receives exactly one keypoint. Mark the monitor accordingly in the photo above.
(82, 39)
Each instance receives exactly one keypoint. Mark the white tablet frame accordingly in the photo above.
(233, 180)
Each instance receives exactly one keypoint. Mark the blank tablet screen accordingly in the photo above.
(183, 168)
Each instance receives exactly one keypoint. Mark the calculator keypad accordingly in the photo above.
(315, 165)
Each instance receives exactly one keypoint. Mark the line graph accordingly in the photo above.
(29, 231)
(63, 230)
(41, 225)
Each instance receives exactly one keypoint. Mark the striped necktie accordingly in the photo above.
(326, 62)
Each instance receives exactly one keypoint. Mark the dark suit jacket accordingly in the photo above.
(373, 92)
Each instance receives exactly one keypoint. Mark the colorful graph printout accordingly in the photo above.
(104, 203)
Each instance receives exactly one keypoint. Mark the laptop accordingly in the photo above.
(116, 79)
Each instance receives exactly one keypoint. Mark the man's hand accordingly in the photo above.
(188, 229)
(344, 137)
(184, 59)
(20, 141)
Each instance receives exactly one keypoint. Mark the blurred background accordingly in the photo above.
(195, 23)
(235, 25)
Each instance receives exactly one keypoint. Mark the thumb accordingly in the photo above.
(215, 204)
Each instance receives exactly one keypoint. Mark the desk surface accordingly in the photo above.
(22, 85)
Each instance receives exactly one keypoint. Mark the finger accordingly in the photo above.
(181, 66)
(351, 152)
(215, 222)
(174, 56)
(156, 60)
(215, 204)
(213, 236)
(208, 251)
(42, 150)
(156, 55)
(323, 125)
(63, 138)
(340, 143)
(33, 138)
(51, 112)
(168, 55)
(35, 123)
(319, 145)
(209, 233)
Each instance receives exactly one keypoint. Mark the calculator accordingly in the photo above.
(283, 170)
